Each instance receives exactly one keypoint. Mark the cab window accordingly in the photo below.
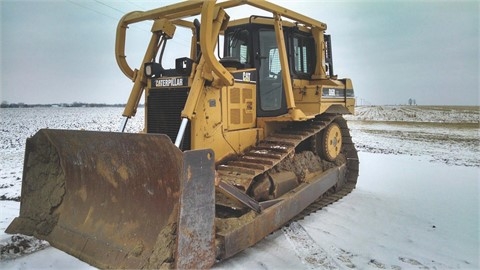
(237, 45)
(303, 54)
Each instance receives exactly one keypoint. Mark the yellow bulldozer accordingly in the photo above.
(241, 136)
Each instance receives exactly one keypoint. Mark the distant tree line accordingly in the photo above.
(5, 104)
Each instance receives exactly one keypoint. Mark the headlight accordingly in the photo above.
(153, 70)
(148, 70)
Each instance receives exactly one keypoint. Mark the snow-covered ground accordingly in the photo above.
(416, 205)
(444, 134)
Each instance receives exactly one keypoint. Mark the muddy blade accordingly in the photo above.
(117, 200)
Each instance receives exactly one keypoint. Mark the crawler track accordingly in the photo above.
(241, 171)
(343, 189)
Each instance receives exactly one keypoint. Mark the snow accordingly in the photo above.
(445, 134)
(395, 218)
(416, 205)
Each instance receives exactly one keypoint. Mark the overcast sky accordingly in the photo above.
(63, 51)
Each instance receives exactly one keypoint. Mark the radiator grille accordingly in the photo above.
(164, 108)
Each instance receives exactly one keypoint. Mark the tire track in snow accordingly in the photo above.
(309, 252)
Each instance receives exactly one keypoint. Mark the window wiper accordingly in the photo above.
(234, 39)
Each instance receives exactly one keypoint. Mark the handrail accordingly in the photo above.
(171, 12)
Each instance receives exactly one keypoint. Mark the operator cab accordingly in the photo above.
(254, 45)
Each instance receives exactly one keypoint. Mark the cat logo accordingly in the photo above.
(246, 76)
(171, 82)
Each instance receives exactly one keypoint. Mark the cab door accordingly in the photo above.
(270, 91)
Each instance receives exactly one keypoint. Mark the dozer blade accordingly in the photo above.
(118, 200)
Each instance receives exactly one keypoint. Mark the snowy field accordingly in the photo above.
(416, 205)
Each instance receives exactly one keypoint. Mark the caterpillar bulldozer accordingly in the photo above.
(241, 136)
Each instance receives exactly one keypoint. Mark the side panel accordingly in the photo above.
(225, 119)
(241, 109)
(317, 97)
(208, 123)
